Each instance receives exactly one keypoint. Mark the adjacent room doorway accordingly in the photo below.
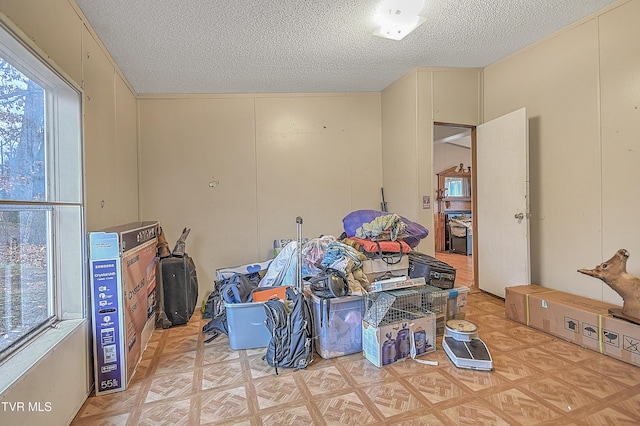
(452, 164)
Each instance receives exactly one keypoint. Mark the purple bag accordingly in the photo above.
(354, 220)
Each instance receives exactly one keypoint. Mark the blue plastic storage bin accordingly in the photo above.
(246, 323)
(338, 327)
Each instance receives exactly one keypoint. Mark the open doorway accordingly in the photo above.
(453, 188)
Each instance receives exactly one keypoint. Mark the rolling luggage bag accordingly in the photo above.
(435, 272)
(180, 288)
(178, 283)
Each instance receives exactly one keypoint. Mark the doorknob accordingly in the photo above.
(519, 216)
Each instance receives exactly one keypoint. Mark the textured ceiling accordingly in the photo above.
(280, 46)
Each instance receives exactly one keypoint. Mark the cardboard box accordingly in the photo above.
(516, 301)
(456, 302)
(376, 268)
(389, 343)
(440, 325)
(577, 319)
(621, 340)
(573, 318)
(122, 260)
(454, 306)
(395, 283)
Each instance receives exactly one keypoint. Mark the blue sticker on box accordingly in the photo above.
(106, 316)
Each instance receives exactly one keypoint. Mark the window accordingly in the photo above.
(454, 187)
(41, 235)
(457, 186)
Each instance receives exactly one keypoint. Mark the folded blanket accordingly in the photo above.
(385, 227)
(354, 220)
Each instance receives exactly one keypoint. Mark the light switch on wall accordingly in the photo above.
(426, 201)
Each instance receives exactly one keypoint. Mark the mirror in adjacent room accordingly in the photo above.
(454, 182)
(457, 187)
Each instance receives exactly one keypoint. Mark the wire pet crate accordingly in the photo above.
(393, 306)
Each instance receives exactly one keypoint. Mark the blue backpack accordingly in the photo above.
(291, 327)
(238, 288)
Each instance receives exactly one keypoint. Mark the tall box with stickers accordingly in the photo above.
(122, 262)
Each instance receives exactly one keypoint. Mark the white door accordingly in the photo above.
(502, 214)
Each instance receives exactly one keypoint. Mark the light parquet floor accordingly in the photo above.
(537, 379)
(463, 265)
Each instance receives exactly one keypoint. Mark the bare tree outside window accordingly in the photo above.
(26, 296)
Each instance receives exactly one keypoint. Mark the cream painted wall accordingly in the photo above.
(620, 134)
(399, 134)
(319, 158)
(126, 153)
(457, 95)
(580, 88)
(186, 145)
(410, 106)
(400, 165)
(100, 136)
(110, 140)
(447, 155)
(54, 27)
(270, 159)
(57, 28)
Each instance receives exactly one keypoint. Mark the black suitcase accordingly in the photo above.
(435, 272)
(179, 283)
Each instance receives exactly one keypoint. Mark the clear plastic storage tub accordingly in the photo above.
(338, 325)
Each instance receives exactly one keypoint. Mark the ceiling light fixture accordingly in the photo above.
(397, 18)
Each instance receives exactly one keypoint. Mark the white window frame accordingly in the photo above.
(65, 197)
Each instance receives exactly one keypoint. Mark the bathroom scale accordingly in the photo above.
(464, 348)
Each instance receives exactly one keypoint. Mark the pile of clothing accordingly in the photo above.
(367, 234)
